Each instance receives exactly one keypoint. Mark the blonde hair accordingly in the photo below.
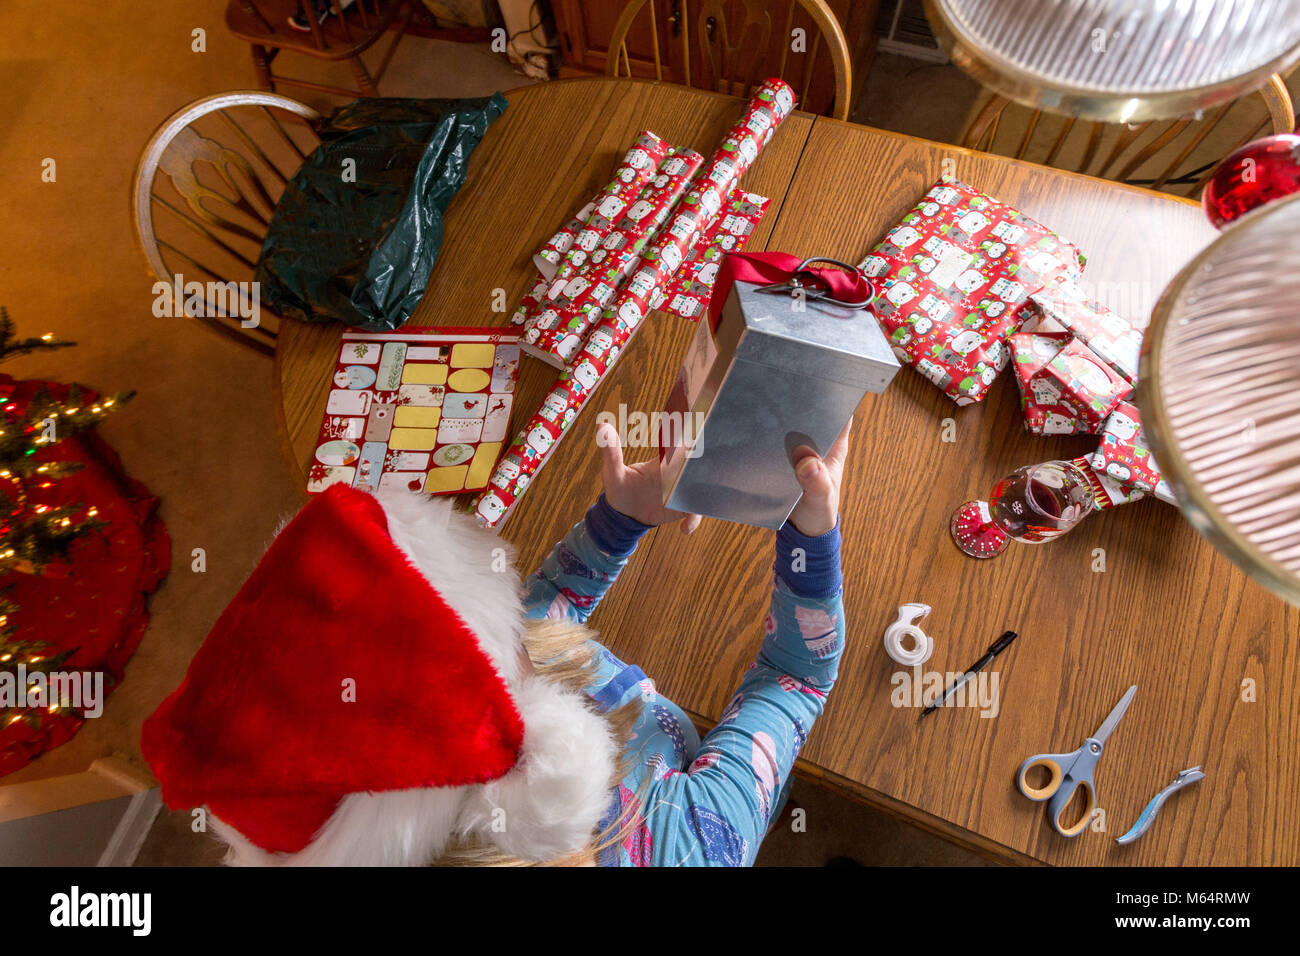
(562, 651)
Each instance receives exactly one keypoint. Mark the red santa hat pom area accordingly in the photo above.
(363, 701)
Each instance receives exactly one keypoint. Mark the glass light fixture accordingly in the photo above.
(1219, 391)
(1120, 61)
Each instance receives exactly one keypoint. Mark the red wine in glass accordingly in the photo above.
(1033, 504)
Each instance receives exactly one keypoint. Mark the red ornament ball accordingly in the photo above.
(1258, 173)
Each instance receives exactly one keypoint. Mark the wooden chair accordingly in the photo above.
(225, 160)
(264, 25)
(1133, 146)
(733, 55)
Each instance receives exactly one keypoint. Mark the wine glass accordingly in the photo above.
(1033, 504)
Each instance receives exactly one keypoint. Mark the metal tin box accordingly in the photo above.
(779, 372)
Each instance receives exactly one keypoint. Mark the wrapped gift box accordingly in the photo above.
(1061, 304)
(1089, 388)
(1125, 456)
(953, 277)
(1106, 491)
(1041, 394)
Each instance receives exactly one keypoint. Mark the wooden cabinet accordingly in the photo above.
(586, 26)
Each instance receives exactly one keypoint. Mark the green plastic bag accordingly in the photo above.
(357, 231)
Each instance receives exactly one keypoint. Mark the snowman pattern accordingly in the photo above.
(507, 471)
(540, 439)
(638, 158)
(688, 267)
(1045, 391)
(637, 212)
(997, 243)
(491, 508)
(629, 313)
(710, 202)
(1125, 456)
(585, 374)
(552, 408)
(1057, 424)
(598, 342)
(671, 257)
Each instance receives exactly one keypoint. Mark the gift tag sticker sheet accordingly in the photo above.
(425, 409)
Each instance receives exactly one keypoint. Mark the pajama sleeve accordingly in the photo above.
(718, 811)
(581, 568)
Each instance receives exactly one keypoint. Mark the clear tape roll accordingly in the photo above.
(905, 627)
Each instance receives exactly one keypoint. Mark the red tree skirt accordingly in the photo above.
(97, 601)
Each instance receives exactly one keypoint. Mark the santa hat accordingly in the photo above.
(363, 700)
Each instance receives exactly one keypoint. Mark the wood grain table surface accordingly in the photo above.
(1215, 657)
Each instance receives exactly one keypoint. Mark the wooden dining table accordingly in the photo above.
(1132, 596)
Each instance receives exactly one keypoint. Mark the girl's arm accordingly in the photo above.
(576, 575)
(718, 811)
(580, 569)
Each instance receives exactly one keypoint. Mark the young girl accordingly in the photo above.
(378, 693)
(685, 801)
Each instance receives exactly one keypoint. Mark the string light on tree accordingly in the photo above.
(33, 533)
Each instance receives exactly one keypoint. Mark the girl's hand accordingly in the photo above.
(635, 490)
(819, 508)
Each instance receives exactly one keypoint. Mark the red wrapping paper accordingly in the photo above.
(1040, 395)
(1124, 455)
(955, 273)
(1090, 389)
(1065, 388)
(596, 217)
(630, 179)
(696, 212)
(642, 215)
(688, 294)
(576, 301)
(1106, 492)
(1061, 304)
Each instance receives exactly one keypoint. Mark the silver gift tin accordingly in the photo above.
(780, 372)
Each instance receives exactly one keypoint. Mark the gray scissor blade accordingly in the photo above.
(1113, 717)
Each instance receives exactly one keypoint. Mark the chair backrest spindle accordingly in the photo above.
(1135, 150)
(221, 176)
(733, 51)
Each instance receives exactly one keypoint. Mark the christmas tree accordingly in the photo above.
(34, 535)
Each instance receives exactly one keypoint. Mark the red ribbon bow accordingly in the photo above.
(770, 268)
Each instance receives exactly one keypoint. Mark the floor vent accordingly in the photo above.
(904, 30)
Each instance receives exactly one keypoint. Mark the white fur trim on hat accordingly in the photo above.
(550, 803)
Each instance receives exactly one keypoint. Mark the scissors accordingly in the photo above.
(1069, 772)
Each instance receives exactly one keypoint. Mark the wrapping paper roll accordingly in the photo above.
(596, 218)
(631, 181)
(575, 305)
(701, 204)
(688, 294)
(552, 254)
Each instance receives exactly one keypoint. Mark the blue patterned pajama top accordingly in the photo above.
(705, 802)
